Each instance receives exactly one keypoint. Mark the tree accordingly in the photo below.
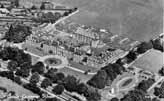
(33, 88)
(92, 95)
(71, 83)
(131, 56)
(66, 13)
(38, 67)
(161, 71)
(2, 6)
(143, 47)
(82, 88)
(118, 68)
(136, 95)
(33, 7)
(46, 82)
(42, 7)
(26, 65)
(145, 84)
(114, 99)
(110, 71)
(18, 33)
(99, 80)
(23, 72)
(18, 80)
(60, 76)
(15, 3)
(58, 89)
(4, 55)
(35, 78)
(159, 91)
(12, 65)
(157, 44)
(57, 15)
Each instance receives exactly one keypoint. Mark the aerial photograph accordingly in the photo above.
(81, 50)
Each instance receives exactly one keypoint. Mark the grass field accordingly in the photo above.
(78, 75)
(138, 19)
(11, 86)
(152, 61)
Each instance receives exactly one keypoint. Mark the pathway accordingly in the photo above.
(156, 83)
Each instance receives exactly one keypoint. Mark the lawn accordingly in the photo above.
(127, 82)
(81, 76)
(151, 61)
(11, 86)
(138, 19)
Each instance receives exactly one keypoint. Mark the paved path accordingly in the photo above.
(156, 83)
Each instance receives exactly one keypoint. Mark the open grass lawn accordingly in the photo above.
(78, 75)
(33, 49)
(11, 86)
(127, 82)
(152, 61)
(138, 19)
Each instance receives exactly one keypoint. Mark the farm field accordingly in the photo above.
(138, 19)
(11, 86)
(152, 61)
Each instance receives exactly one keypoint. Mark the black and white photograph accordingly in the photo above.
(81, 50)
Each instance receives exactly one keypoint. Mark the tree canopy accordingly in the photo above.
(35, 78)
(58, 89)
(18, 33)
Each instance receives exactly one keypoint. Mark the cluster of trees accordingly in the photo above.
(106, 75)
(10, 75)
(132, 55)
(48, 17)
(136, 95)
(16, 56)
(69, 83)
(33, 88)
(161, 71)
(144, 46)
(20, 65)
(17, 33)
(144, 85)
(69, 11)
(17, 59)
(15, 3)
(159, 91)
(157, 44)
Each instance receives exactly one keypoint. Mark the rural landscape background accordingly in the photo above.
(138, 19)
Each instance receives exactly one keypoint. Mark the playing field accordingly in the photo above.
(152, 61)
(138, 19)
(11, 86)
